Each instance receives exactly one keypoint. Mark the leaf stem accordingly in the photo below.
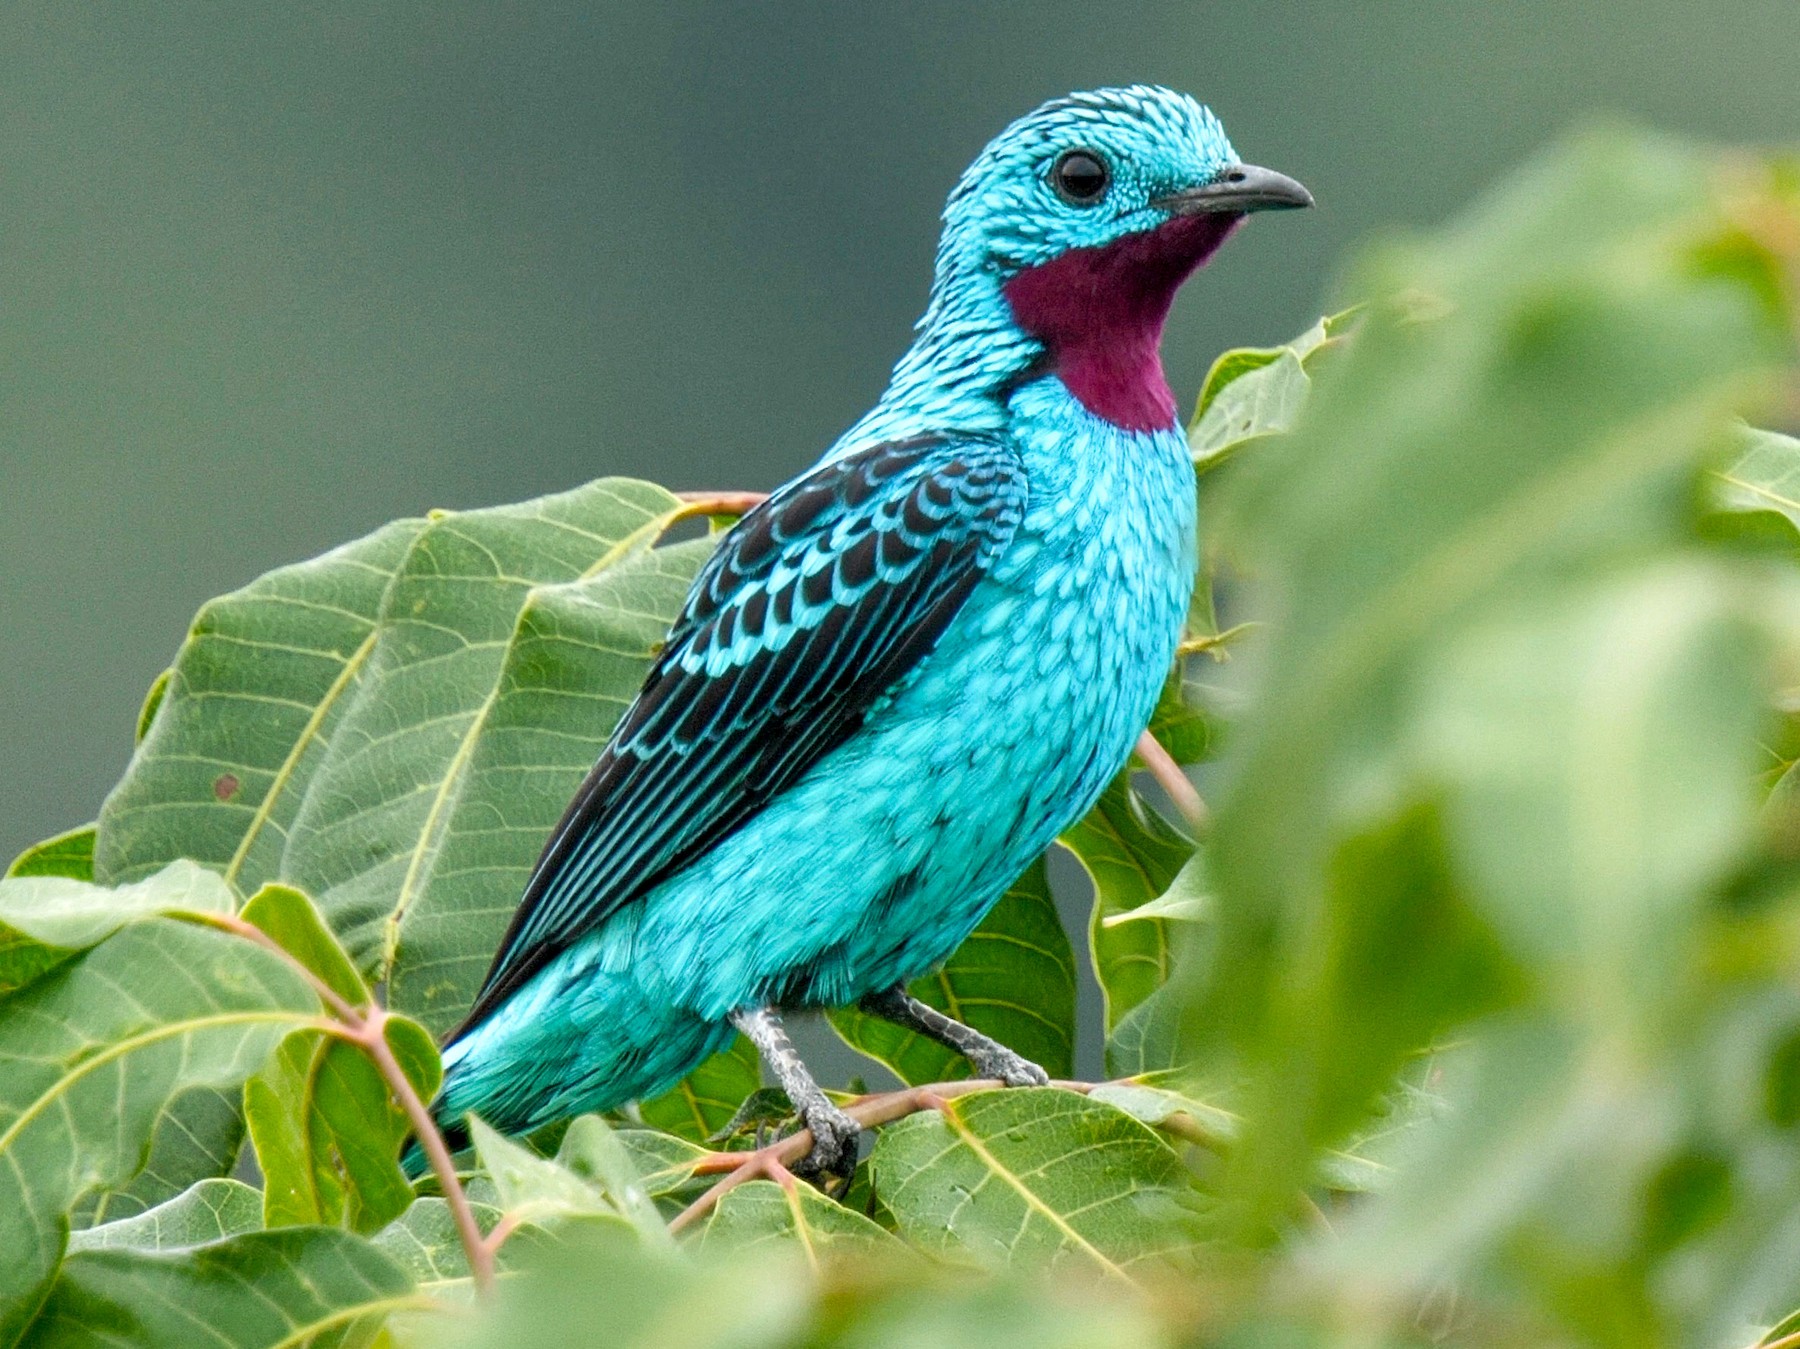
(1173, 781)
(371, 1037)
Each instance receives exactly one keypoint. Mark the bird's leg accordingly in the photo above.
(990, 1057)
(834, 1133)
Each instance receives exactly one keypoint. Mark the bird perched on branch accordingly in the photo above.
(897, 680)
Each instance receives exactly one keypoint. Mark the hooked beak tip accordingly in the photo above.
(1238, 189)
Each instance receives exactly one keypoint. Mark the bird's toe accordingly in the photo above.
(835, 1138)
(1013, 1069)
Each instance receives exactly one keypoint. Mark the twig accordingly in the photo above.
(1172, 780)
(716, 503)
(370, 1036)
(365, 1028)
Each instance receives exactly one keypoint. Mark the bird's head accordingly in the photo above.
(1078, 223)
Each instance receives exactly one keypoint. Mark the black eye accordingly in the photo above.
(1080, 177)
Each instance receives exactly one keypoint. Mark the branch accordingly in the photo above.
(365, 1028)
(774, 1162)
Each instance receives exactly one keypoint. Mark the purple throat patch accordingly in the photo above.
(1100, 312)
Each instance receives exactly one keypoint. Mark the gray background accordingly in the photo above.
(272, 274)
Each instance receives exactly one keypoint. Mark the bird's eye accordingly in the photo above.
(1080, 177)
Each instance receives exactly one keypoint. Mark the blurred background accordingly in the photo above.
(271, 275)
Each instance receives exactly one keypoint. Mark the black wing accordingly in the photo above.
(814, 605)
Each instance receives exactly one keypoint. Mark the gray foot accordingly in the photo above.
(835, 1137)
(988, 1056)
(996, 1060)
(834, 1133)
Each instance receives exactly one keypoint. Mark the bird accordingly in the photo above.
(901, 676)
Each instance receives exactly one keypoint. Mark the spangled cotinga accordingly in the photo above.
(900, 678)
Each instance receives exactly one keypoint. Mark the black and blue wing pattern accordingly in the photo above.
(812, 607)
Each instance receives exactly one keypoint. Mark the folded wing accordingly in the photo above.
(812, 607)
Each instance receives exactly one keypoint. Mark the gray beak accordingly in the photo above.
(1239, 188)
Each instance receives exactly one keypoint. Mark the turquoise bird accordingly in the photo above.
(897, 680)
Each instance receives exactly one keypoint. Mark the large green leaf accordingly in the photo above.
(1132, 855)
(391, 804)
(262, 1290)
(210, 1210)
(89, 1056)
(395, 726)
(1038, 1175)
(1013, 979)
(577, 654)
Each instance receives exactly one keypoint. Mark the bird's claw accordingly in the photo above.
(835, 1137)
(1013, 1069)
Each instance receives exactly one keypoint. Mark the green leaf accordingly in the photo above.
(1132, 855)
(293, 1150)
(395, 727)
(1763, 476)
(424, 1242)
(327, 1131)
(245, 715)
(1013, 980)
(1150, 1037)
(46, 919)
(1185, 901)
(761, 1211)
(197, 1135)
(1253, 392)
(261, 1290)
(664, 1163)
(1179, 1111)
(153, 701)
(211, 1210)
(292, 923)
(94, 1051)
(535, 1189)
(69, 854)
(1181, 723)
(1504, 739)
(427, 780)
(705, 1101)
(591, 1151)
(1039, 1175)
